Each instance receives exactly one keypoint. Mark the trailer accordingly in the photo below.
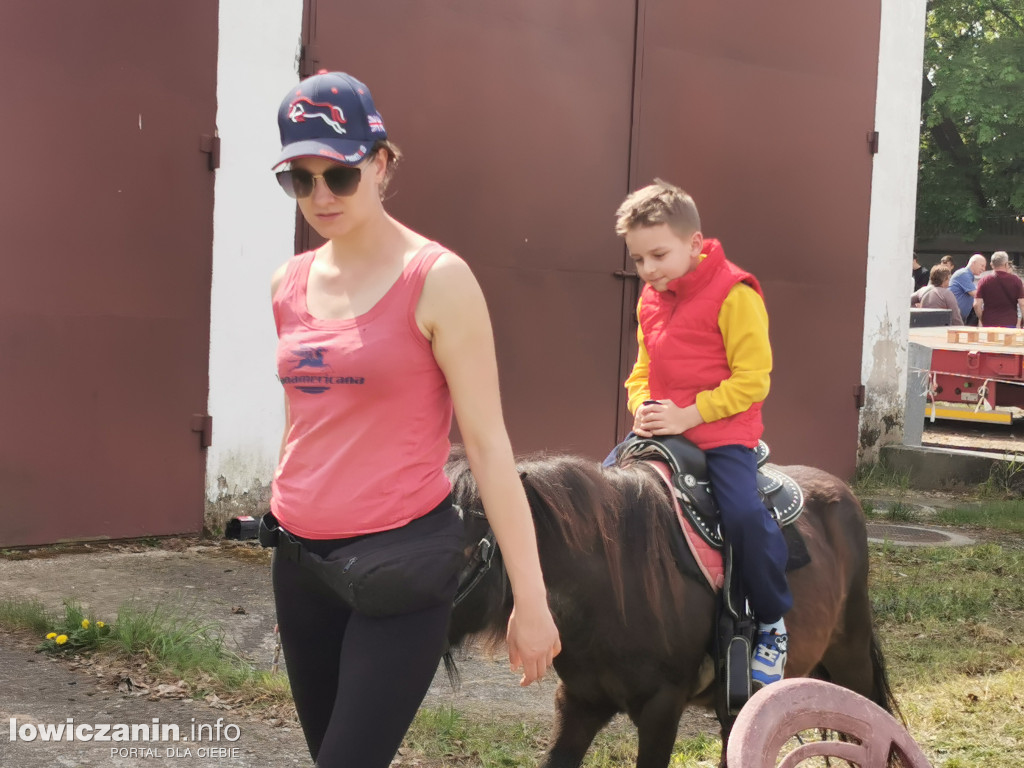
(974, 374)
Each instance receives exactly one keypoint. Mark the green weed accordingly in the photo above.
(182, 644)
(1005, 479)
(25, 614)
(1007, 515)
(900, 512)
(75, 632)
(880, 477)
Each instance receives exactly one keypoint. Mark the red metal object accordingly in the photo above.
(969, 376)
(525, 125)
(107, 232)
(760, 110)
(515, 123)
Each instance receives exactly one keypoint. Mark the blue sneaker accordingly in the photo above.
(769, 661)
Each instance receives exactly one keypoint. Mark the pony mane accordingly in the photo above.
(621, 514)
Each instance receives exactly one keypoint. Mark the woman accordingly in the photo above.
(381, 333)
(936, 295)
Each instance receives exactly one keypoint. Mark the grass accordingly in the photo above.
(172, 644)
(1005, 479)
(879, 476)
(1004, 515)
(451, 738)
(184, 646)
(28, 615)
(950, 621)
(900, 512)
(955, 609)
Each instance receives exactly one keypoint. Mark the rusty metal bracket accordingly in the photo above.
(211, 146)
(203, 424)
(859, 396)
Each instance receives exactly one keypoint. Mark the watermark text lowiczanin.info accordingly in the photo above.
(154, 731)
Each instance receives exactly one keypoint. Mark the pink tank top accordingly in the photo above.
(370, 411)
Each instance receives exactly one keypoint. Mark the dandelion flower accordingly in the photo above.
(61, 639)
(100, 624)
(85, 623)
(51, 636)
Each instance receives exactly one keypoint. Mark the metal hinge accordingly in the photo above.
(623, 274)
(873, 142)
(203, 424)
(859, 396)
(211, 146)
(309, 60)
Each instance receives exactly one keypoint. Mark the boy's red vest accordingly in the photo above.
(687, 351)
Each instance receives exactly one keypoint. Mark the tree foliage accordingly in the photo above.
(971, 173)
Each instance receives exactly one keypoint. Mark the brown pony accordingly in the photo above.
(636, 620)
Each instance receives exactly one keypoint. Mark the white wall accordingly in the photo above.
(891, 229)
(253, 232)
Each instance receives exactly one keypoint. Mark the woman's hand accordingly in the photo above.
(532, 641)
(453, 315)
(663, 417)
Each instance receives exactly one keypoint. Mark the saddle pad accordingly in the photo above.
(709, 560)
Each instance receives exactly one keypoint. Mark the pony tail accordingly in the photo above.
(881, 692)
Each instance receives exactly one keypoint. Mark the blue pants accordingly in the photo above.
(759, 550)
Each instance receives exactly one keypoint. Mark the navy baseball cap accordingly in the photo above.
(330, 114)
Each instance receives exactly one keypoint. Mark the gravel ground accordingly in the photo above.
(996, 438)
(227, 584)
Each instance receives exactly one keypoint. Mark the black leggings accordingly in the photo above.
(357, 681)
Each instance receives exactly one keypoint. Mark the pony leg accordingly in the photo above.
(657, 724)
(576, 725)
(852, 659)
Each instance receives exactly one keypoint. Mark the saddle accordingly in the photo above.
(692, 488)
(687, 477)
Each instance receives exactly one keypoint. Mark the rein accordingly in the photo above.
(479, 562)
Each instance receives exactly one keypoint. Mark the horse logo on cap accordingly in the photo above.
(303, 109)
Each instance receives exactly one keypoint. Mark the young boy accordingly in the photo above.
(705, 359)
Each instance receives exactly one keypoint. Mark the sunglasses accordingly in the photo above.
(341, 180)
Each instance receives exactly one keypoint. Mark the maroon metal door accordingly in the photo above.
(515, 120)
(761, 111)
(107, 229)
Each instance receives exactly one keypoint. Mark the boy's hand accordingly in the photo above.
(663, 417)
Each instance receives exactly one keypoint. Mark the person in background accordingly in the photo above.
(920, 275)
(962, 284)
(1000, 295)
(947, 261)
(936, 295)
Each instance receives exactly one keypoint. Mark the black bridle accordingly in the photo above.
(479, 562)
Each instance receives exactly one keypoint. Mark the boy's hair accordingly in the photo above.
(658, 203)
(938, 275)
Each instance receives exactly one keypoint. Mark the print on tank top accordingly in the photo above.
(318, 376)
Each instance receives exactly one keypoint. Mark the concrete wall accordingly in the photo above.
(891, 233)
(254, 232)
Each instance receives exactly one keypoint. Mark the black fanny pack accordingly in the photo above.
(387, 573)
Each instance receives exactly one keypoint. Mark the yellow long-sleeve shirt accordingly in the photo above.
(743, 321)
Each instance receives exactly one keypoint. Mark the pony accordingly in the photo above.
(637, 619)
